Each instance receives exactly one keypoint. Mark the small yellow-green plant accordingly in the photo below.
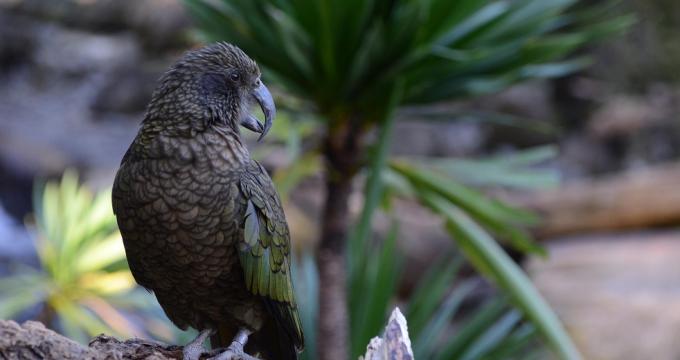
(83, 286)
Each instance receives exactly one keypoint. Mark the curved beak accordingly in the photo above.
(264, 98)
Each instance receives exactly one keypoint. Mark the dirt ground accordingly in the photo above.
(618, 294)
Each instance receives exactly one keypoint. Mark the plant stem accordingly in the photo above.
(333, 316)
(342, 152)
(46, 315)
(344, 149)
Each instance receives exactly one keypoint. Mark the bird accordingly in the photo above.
(202, 225)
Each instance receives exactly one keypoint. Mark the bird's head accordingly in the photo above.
(218, 83)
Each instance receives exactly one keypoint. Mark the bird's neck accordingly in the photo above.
(232, 146)
(217, 145)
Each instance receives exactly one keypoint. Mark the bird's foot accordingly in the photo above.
(235, 350)
(194, 349)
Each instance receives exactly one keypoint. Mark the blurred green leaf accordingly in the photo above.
(445, 332)
(306, 280)
(426, 343)
(492, 336)
(491, 260)
(442, 50)
(100, 255)
(18, 300)
(358, 238)
(517, 170)
(501, 218)
(376, 288)
(476, 325)
(430, 292)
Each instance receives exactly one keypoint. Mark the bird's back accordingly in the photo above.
(177, 207)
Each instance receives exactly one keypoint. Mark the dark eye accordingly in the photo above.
(235, 76)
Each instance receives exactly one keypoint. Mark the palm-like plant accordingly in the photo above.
(83, 287)
(354, 62)
(493, 330)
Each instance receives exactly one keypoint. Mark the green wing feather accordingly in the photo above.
(265, 251)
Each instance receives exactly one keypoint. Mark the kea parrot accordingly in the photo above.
(202, 224)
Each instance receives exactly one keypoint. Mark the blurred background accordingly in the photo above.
(567, 156)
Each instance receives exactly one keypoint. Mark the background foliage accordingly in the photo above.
(353, 63)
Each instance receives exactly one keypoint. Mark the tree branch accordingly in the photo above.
(32, 341)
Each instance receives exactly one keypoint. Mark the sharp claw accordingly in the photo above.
(235, 350)
(194, 349)
(234, 353)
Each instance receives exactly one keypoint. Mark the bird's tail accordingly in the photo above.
(223, 337)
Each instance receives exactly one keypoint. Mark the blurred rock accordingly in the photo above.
(46, 124)
(17, 39)
(74, 52)
(623, 116)
(437, 138)
(618, 295)
(15, 243)
(68, 97)
(92, 14)
(159, 24)
(582, 157)
(59, 132)
(127, 89)
(20, 164)
(529, 101)
(637, 131)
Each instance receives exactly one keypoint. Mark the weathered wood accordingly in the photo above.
(32, 341)
(638, 199)
(395, 344)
